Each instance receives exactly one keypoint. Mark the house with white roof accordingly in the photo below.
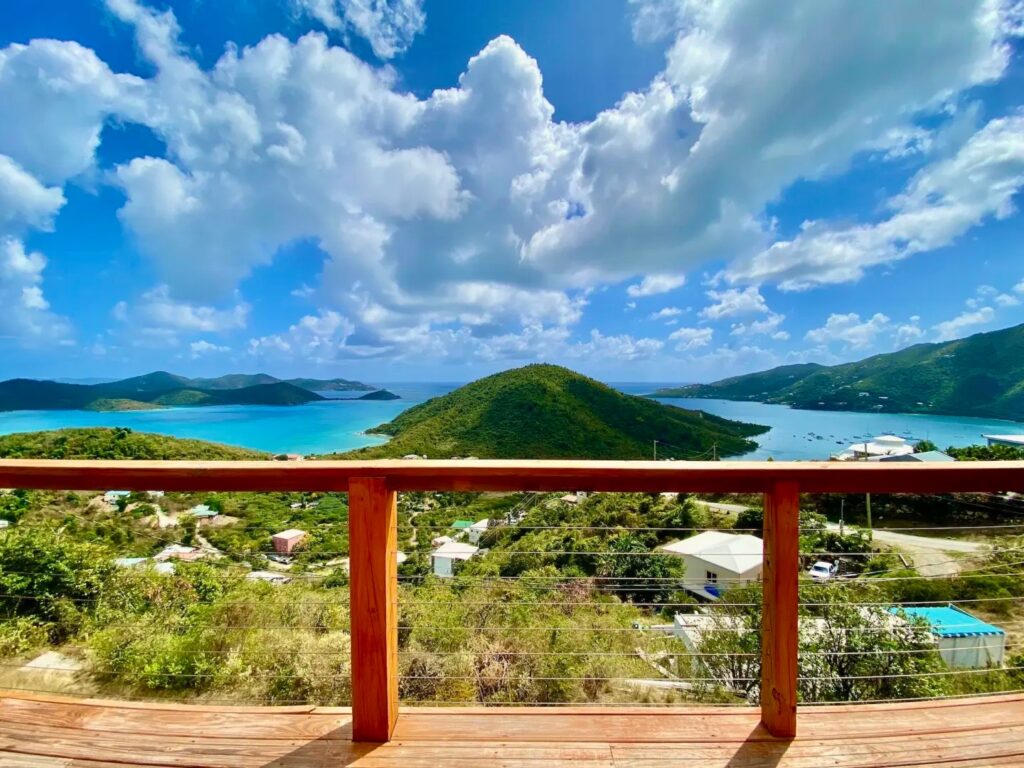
(203, 511)
(476, 530)
(875, 449)
(112, 497)
(716, 561)
(443, 559)
(1014, 441)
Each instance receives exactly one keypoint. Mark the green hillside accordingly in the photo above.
(102, 443)
(155, 389)
(982, 375)
(546, 411)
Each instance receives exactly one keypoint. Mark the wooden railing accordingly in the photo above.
(372, 488)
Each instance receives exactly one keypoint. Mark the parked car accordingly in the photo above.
(822, 571)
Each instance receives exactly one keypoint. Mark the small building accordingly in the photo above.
(440, 541)
(875, 448)
(270, 577)
(286, 542)
(155, 494)
(964, 640)
(179, 552)
(401, 557)
(1014, 441)
(4, 523)
(929, 457)
(716, 560)
(203, 511)
(112, 497)
(461, 525)
(476, 530)
(166, 569)
(443, 559)
(574, 498)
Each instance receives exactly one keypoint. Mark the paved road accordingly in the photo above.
(932, 556)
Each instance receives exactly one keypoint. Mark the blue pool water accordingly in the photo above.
(324, 427)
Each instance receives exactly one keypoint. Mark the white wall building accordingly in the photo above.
(476, 530)
(875, 448)
(716, 561)
(443, 559)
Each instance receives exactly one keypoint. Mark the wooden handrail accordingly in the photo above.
(516, 475)
(372, 487)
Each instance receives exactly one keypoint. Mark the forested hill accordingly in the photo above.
(102, 443)
(546, 411)
(982, 375)
(161, 389)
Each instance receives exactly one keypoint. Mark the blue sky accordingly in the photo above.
(399, 189)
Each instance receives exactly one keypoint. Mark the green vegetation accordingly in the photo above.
(159, 389)
(568, 601)
(103, 443)
(546, 411)
(120, 404)
(982, 375)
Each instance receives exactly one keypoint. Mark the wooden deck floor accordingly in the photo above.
(63, 733)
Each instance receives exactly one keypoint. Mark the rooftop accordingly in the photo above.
(950, 621)
(49, 732)
(291, 533)
(455, 550)
(736, 552)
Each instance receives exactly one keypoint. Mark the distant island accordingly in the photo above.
(981, 376)
(547, 412)
(380, 394)
(161, 390)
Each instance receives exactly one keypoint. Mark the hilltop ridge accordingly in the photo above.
(981, 375)
(547, 411)
(162, 389)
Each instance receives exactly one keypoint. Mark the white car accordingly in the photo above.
(822, 571)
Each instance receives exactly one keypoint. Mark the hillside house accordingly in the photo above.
(141, 562)
(964, 640)
(288, 541)
(179, 552)
(716, 561)
(444, 560)
(925, 457)
(203, 512)
(1013, 441)
(476, 530)
(875, 449)
(112, 497)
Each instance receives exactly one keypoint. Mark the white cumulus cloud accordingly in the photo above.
(389, 26)
(850, 330)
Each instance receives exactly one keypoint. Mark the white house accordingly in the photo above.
(476, 530)
(1014, 441)
(875, 448)
(112, 497)
(443, 559)
(716, 560)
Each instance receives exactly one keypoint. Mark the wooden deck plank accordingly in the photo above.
(66, 733)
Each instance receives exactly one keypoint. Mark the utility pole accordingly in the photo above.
(714, 451)
(655, 449)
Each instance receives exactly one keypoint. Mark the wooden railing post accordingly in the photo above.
(779, 631)
(373, 601)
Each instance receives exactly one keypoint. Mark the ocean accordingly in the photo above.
(340, 424)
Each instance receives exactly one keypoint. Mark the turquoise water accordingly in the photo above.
(324, 427)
